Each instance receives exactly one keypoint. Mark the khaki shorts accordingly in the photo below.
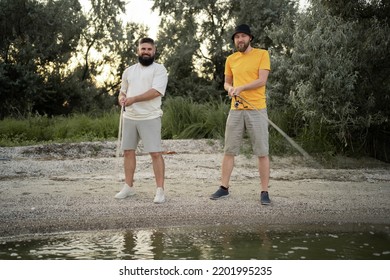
(255, 122)
(149, 131)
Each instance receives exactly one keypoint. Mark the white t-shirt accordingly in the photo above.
(138, 79)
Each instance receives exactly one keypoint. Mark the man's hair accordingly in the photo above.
(146, 40)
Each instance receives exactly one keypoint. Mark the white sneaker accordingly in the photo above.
(125, 192)
(160, 197)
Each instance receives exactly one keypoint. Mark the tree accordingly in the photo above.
(336, 72)
(53, 57)
(194, 45)
(107, 47)
(372, 89)
(196, 39)
(263, 15)
(37, 40)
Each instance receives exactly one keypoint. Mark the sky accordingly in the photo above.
(140, 11)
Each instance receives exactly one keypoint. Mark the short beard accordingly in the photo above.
(146, 61)
(243, 48)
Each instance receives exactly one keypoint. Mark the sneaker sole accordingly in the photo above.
(221, 197)
(123, 197)
(265, 203)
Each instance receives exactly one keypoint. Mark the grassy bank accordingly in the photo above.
(182, 119)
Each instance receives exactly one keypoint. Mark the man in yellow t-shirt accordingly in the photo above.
(246, 74)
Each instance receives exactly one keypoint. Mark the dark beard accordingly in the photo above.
(243, 48)
(146, 61)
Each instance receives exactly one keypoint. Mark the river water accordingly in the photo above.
(299, 242)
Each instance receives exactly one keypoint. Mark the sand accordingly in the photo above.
(71, 187)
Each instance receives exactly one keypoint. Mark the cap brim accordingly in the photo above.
(244, 33)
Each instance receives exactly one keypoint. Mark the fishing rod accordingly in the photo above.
(288, 138)
(118, 144)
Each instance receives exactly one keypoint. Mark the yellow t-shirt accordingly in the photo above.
(244, 68)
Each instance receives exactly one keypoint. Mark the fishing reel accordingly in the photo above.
(236, 104)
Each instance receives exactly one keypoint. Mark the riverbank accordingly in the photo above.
(71, 187)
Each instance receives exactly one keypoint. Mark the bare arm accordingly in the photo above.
(228, 85)
(261, 81)
(148, 95)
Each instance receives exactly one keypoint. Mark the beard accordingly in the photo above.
(145, 60)
(242, 47)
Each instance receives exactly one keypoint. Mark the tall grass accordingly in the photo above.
(185, 119)
(182, 119)
(42, 129)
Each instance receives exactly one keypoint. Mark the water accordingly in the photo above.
(325, 242)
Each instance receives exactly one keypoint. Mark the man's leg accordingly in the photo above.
(159, 174)
(264, 171)
(227, 169)
(129, 166)
(158, 168)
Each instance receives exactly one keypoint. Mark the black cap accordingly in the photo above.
(242, 28)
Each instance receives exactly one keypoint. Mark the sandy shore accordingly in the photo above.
(71, 187)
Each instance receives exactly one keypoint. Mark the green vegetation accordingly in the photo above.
(328, 88)
(185, 119)
(182, 119)
(43, 129)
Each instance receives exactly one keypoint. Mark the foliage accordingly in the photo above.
(43, 129)
(332, 74)
(186, 119)
(267, 13)
(37, 40)
(107, 46)
(328, 87)
(48, 56)
(196, 39)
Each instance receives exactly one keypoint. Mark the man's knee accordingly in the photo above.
(156, 155)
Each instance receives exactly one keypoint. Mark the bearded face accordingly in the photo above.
(242, 41)
(242, 46)
(146, 60)
(146, 53)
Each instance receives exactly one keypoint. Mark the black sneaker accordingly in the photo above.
(264, 198)
(220, 193)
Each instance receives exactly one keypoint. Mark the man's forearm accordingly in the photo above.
(148, 95)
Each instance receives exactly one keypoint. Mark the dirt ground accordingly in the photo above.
(71, 187)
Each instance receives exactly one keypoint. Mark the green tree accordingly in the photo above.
(55, 60)
(37, 40)
(334, 72)
(107, 48)
(261, 15)
(194, 45)
(196, 39)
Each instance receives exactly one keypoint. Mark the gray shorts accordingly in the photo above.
(149, 131)
(255, 122)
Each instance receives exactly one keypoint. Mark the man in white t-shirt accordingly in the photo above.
(143, 85)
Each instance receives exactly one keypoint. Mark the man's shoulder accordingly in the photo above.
(254, 51)
(233, 55)
(154, 65)
(131, 67)
(259, 51)
(158, 65)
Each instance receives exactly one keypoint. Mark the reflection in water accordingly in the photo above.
(224, 242)
(143, 244)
